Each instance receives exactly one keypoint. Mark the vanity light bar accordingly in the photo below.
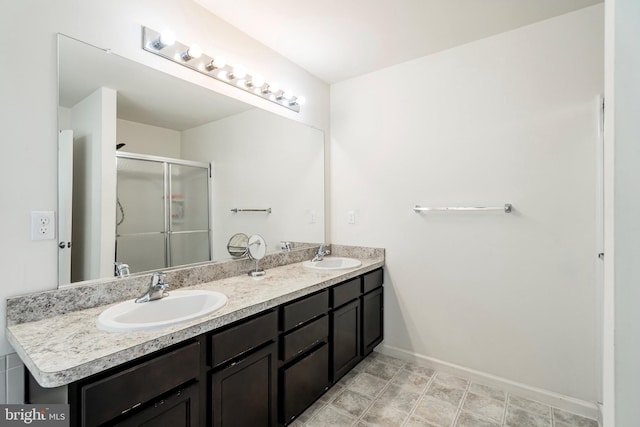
(165, 45)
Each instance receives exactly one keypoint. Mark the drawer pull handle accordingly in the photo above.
(133, 407)
(315, 343)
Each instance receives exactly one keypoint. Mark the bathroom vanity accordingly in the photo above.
(278, 345)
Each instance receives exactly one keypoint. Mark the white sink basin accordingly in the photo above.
(178, 307)
(333, 263)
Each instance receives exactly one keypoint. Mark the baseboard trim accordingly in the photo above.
(556, 400)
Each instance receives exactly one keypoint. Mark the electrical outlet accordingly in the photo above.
(43, 225)
(351, 217)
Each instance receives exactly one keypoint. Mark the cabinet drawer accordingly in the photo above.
(241, 338)
(303, 382)
(109, 397)
(304, 338)
(372, 280)
(345, 292)
(303, 310)
(177, 409)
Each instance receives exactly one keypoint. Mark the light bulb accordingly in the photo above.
(287, 95)
(193, 52)
(238, 72)
(257, 80)
(301, 100)
(274, 88)
(167, 38)
(217, 62)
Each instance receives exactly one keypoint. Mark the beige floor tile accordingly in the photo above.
(517, 417)
(484, 406)
(487, 390)
(415, 421)
(387, 359)
(451, 380)
(467, 419)
(407, 378)
(330, 394)
(328, 416)
(348, 377)
(419, 370)
(436, 411)
(384, 415)
(445, 393)
(352, 402)
(401, 398)
(382, 370)
(573, 420)
(311, 410)
(388, 392)
(367, 384)
(530, 405)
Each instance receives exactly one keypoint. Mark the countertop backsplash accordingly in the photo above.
(37, 306)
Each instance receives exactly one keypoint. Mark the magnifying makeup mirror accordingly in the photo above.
(257, 248)
(238, 245)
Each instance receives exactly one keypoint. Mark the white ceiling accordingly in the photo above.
(339, 39)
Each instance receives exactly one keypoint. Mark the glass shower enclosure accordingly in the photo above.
(162, 212)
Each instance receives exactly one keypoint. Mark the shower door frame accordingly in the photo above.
(167, 188)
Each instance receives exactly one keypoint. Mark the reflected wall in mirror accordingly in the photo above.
(258, 160)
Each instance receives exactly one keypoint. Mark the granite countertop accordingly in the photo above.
(65, 348)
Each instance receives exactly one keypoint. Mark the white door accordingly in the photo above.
(65, 199)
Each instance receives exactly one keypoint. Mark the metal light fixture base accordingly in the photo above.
(204, 64)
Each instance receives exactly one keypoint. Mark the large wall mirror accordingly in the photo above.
(156, 171)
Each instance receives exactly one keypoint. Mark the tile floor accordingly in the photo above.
(385, 391)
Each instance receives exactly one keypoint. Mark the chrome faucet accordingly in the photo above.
(121, 269)
(157, 288)
(320, 254)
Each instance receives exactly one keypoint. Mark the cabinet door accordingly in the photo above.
(303, 382)
(372, 320)
(177, 409)
(345, 338)
(244, 393)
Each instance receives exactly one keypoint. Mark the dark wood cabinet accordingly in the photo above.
(303, 382)
(244, 392)
(304, 354)
(345, 338)
(116, 396)
(372, 320)
(243, 337)
(243, 382)
(261, 371)
(357, 326)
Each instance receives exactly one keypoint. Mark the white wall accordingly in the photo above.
(507, 119)
(141, 138)
(251, 171)
(93, 121)
(623, 112)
